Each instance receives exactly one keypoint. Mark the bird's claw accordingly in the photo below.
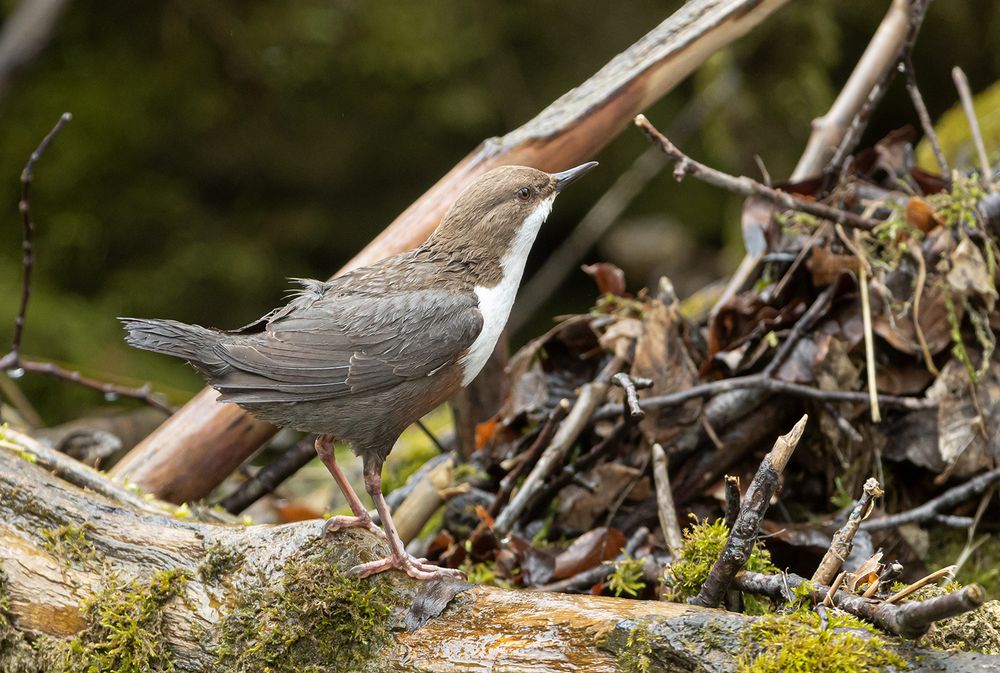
(335, 523)
(417, 568)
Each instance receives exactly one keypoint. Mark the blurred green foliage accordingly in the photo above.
(218, 147)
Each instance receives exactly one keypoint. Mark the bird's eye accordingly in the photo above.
(524, 194)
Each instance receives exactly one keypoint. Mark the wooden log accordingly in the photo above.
(201, 596)
(205, 440)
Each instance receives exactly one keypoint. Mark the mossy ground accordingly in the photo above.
(703, 544)
(635, 656)
(69, 543)
(975, 631)
(316, 619)
(220, 560)
(125, 626)
(783, 643)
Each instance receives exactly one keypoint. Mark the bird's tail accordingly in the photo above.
(193, 343)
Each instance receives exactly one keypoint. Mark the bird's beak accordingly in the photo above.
(566, 177)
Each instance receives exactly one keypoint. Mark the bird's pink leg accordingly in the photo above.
(398, 557)
(361, 518)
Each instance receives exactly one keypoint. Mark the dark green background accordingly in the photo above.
(219, 147)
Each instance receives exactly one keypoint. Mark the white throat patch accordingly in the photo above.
(495, 302)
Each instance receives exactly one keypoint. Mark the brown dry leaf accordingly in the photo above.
(620, 335)
(289, 512)
(484, 516)
(921, 214)
(661, 355)
(956, 436)
(898, 330)
(593, 547)
(608, 277)
(579, 508)
(969, 274)
(867, 572)
(826, 267)
(485, 431)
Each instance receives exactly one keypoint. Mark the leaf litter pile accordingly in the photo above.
(628, 453)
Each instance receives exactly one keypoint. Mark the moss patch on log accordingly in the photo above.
(796, 642)
(703, 545)
(220, 560)
(315, 619)
(69, 543)
(125, 626)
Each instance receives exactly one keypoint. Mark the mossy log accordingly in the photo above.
(87, 578)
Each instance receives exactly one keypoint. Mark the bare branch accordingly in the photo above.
(684, 165)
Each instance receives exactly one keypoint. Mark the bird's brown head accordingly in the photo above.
(501, 211)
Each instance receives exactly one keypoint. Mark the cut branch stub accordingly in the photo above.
(743, 536)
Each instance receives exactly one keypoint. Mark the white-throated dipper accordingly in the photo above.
(361, 357)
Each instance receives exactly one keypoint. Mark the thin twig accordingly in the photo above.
(591, 396)
(930, 509)
(431, 436)
(665, 502)
(925, 118)
(633, 412)
(843, 539)
(819, 307)
(965, 95)
(684, 165)
(759, 381)
(743, 535)
(866, 321)
(939, 574)
(28, 258)
(13, 363)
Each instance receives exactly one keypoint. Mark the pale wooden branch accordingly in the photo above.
(876, 63)
(205, 441)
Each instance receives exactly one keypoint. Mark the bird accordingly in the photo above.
(361, 357)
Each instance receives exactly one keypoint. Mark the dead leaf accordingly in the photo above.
(608, 277)
(866, 573)
(921, 214)
(969, 274)
(579, 508)
(826, 267)
(593, 547)
(661, 356)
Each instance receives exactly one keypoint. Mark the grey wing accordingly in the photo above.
(345, 345)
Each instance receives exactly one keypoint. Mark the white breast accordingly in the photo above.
(495, 302)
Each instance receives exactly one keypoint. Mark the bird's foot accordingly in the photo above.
(418, 568)
(335, 523)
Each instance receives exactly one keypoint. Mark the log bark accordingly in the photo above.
(205, 440)
(44, 582)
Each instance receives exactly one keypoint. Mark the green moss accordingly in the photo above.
(484, 573)
(69, 543)
(219, 560)
(778, 643)
(635, 657)
(975, 631)
(316, 619)
(627, 577)
(703, 544)
(125, 626)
